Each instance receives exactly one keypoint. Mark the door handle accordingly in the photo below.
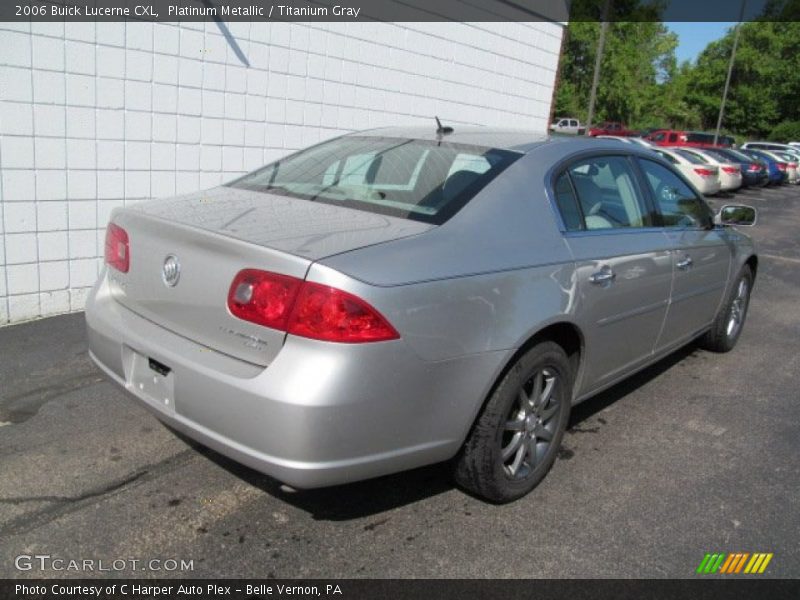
(684, 263)
(604, 275)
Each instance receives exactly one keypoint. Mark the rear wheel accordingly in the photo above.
(515, 440)
(727, 327)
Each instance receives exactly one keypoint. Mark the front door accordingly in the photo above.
(701, 255)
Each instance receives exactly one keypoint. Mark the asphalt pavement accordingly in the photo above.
(696, 454)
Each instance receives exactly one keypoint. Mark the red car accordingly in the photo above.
(695, 139)
(611, 128)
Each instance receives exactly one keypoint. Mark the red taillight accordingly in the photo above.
(753, 167)
(118, 252)
(306, 309)
(325, 313)
(781, 166)
(730, 170)
(703, 172)
(263, 298)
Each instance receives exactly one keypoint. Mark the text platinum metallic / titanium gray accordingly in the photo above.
(395, 298)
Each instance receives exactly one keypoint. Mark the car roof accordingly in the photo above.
(772, 144)
(516, 140)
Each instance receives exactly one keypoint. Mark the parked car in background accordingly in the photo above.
(791, 165)
(400, 297)
(642, 133)
(568, 125)
(730, 174)
(776, 168)
(772, 147)
(627, 140)
(695, 139)
(704, 176)
(754, 171)
(611, 128)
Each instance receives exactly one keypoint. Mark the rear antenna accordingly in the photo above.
(441, 130)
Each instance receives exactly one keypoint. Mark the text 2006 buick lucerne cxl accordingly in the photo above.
(400, 297)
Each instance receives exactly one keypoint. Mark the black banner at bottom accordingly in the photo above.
(401, 589)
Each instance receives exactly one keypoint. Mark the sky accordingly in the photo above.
(694, 37)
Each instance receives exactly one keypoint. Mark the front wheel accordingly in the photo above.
(727, 327)
(515, 439)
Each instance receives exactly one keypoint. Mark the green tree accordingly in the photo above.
(638, 65)
(765, 82)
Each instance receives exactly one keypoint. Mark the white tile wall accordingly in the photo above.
(95, 116)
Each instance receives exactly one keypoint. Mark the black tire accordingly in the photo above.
(481, 468)
(724, 333)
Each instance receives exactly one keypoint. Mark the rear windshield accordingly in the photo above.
(699, 138)
(721, 155)
(739, 156)
(413, 179)
(691, 157)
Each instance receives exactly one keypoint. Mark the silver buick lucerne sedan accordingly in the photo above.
(399, 297)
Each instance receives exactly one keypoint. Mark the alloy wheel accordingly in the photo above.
(531, 424)
(738, 308)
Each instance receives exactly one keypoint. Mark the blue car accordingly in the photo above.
(754, 170)
(776, 175)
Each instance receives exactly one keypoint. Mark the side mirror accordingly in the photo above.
(737, 214)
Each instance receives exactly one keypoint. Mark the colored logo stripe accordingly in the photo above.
(734, 562)
(758, 563)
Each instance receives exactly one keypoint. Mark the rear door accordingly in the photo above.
(623, 264)
(701, 255)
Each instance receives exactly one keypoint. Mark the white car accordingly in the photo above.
(791, 147)
(704, 176)
(627, 140)
(568, 125)
(730, 173)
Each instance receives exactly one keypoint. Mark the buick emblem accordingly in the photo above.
(171, 272)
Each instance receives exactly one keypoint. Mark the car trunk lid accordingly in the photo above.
(212, 236)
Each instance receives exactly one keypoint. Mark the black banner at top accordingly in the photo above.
(559, 11)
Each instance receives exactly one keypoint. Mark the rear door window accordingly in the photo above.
(607, 193)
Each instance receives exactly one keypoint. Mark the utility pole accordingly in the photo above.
(597, 61)
(730, 71)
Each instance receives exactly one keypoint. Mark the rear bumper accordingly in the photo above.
(708, 186)
(776, 177)
(730, 182)
(320, 414)
(749, 178)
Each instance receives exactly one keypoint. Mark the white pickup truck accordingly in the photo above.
(568, 125)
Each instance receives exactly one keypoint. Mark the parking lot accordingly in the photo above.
(696, 454)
